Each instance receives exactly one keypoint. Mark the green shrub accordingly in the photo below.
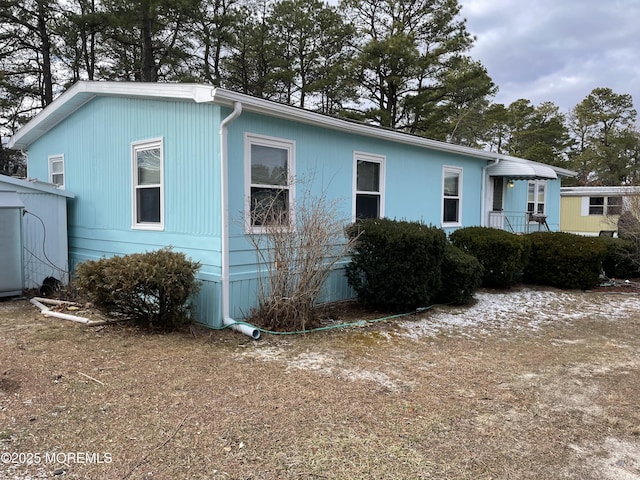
(151, 289)
(620, 259)
(503, 255)
(565, 260)
(395, 265)
(461, 276)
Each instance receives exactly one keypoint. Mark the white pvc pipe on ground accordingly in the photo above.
(38, 302)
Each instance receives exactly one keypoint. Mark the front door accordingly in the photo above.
(496, 217)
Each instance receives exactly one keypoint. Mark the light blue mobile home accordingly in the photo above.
(155, 165)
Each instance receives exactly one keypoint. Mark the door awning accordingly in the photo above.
(522, 171)
(10, 200)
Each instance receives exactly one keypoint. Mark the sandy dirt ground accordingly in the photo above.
(524, 384)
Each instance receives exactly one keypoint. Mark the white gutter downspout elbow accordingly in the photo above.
(245, 328)
(483, 193)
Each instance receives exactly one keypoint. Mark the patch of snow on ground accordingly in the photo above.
(265, 353)
(526, 308)
(313, 361)
(367, 375)
(322, 363)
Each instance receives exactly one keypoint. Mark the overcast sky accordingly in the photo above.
(557, 50)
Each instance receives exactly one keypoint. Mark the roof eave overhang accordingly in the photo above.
(34, 185)
(82, 92)
(583, 191)
(10, 200)
(267, 107)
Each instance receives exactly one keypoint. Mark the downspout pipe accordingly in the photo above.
(242, 327)
(483, 192)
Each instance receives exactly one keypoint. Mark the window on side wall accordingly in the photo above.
(56, 170)
(596, 205)
(148, 184)
(614, 205)
(368, 175)
(452, 196)
(269, 167)
(536, 197)
(605, 205)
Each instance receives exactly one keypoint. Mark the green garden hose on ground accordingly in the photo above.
(329, 327)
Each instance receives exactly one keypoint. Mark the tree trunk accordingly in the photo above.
(47, 76)
(149, 69)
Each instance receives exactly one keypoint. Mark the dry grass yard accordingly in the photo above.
(525, 384)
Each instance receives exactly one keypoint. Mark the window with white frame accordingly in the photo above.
(605, 205)
(536, 197)
(368, 175)
(269, 167)
(452, 196)
(56, 170)
(147, 160)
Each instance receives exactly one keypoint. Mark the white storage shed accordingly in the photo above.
(33, 234)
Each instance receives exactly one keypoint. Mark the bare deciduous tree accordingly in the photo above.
(297, 249)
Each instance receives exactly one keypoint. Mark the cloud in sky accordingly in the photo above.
(557, 50)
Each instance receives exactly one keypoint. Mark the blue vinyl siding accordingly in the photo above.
(515, 200)
(413, 180)
(96, 141)
(324, 165)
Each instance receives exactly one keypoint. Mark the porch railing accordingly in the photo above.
(518, 222)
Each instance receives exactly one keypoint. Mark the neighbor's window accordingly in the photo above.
(56, 170)
(614, 205)
(596, 205)
(605, 205)
(536, 196)
(148, 181)
(452, 195)
(369, 181)
(269, 163)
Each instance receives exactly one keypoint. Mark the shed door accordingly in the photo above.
(11, 280)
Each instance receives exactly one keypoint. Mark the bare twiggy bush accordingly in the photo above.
(297, 250)
(629, 228)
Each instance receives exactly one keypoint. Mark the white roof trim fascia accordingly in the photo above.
(599, 190)
(83, 91)
(267, 107)
(34, 185)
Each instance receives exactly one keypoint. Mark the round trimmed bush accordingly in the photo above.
(503, 255)
(151, 289)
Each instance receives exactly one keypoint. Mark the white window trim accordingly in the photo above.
(451, 169)
(537, 183)
(603, 206)
(51, 160)
(373, 158)
(275, 142)
(586, 206)
(146, 145)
